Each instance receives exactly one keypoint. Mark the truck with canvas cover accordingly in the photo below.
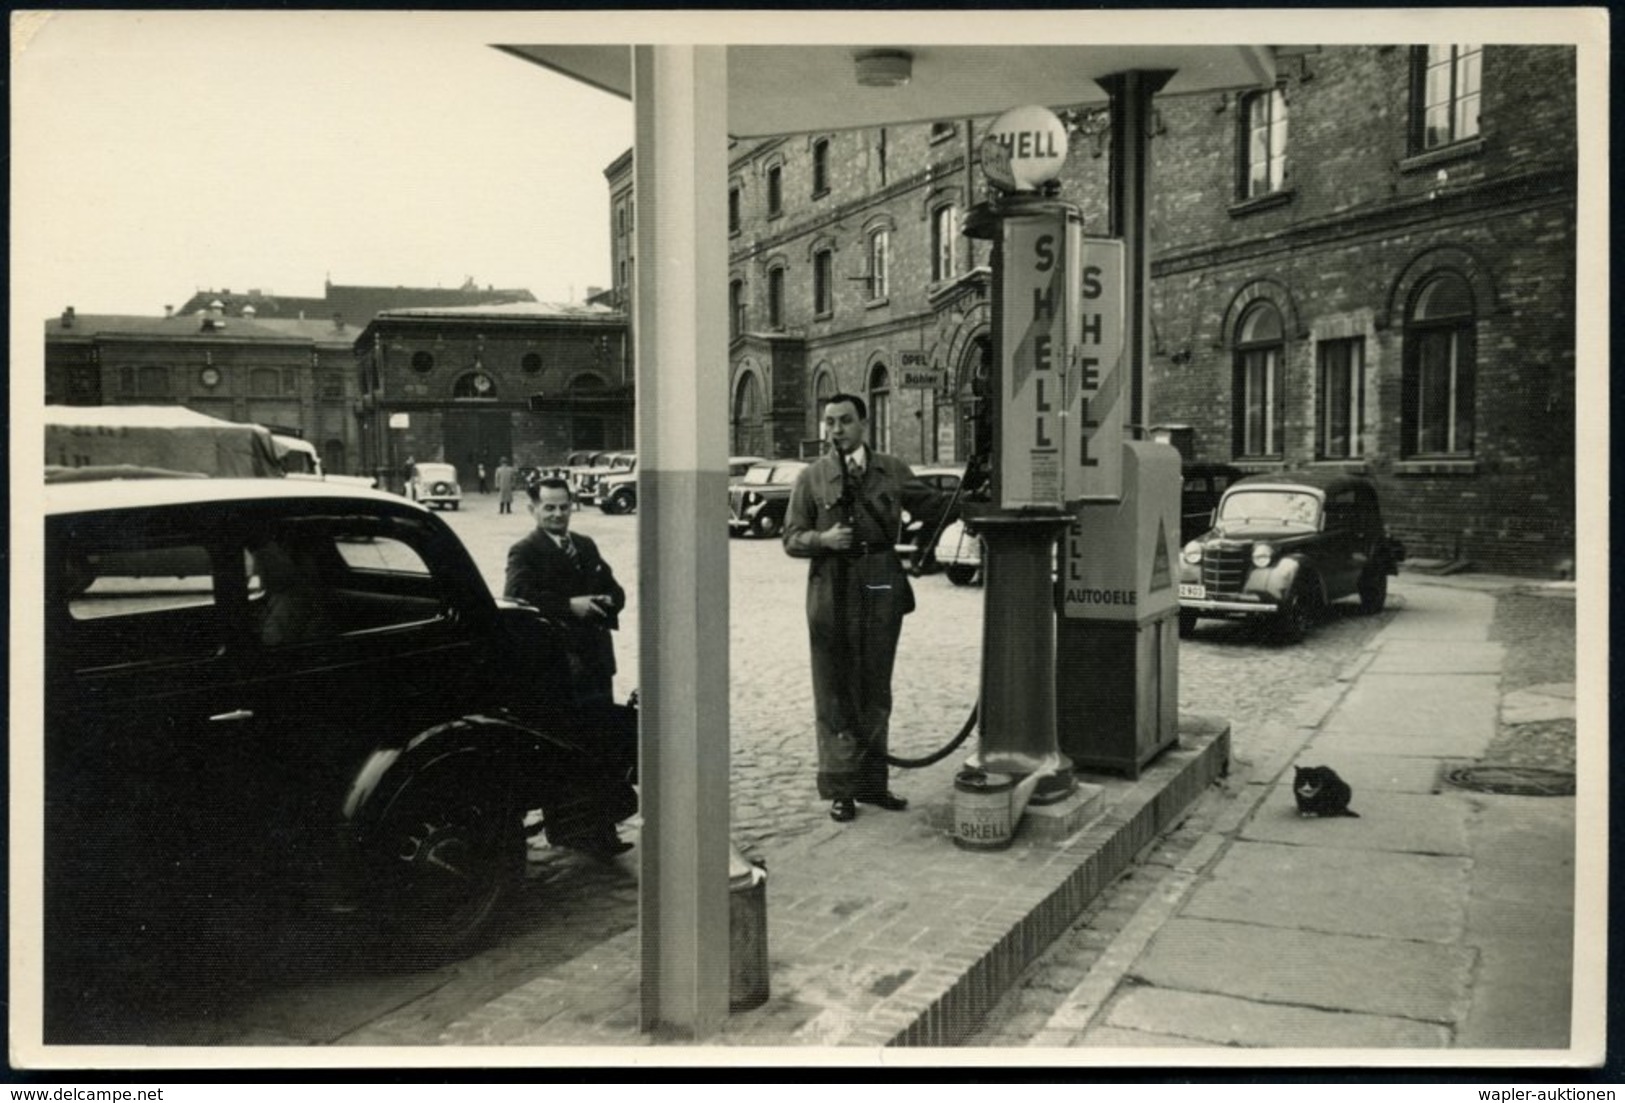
(90, 442)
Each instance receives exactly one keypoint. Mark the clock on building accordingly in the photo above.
(210, 377)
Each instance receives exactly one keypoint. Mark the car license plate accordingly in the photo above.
(1193, 590)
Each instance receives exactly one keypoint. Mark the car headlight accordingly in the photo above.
(1192, 553)
(1263, 555)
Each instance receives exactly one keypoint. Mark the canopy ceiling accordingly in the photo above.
(796, 89)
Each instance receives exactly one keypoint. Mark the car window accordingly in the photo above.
(317, 582)
(757, 476)
(786, 473)
(114, 607)
(1340, 511)
(1284, 506)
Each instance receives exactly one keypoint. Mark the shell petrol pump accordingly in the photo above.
(1061, 469)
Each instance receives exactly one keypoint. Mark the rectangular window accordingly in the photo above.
(823, 282)
(733, 210)
(1260, 400)
(1341, 406)
(1451, 79)
(126, 379)
(332, 384)
(153, 381)
(1264, 169)
(775, 298)
(736, 308)
(775, 191)
(879, 248)
(944, 228)
(820, 173)
(941, 132)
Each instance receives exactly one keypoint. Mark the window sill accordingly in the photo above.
(775, 215)
(1352, 467)
(824, 315)
(1436, 467)
(873, 303)
(1456, 151)
(1254, 465)
(1261, 203)
(820, 193)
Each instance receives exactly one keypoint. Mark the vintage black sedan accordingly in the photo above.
(1286, 545)
(266, 687)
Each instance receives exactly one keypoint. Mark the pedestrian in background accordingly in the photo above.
(505, 481)
(563, 575)
(845, 515)
(479, 471)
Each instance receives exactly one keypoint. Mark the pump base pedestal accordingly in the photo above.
(1117, 685)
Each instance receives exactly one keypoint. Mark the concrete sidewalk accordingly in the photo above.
(1441, 917)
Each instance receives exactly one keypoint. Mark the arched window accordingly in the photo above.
(474, 384)
(880, 408)
(422, 361)
(775, 298)
(736, 307)
(333, 457)
(1440, 369)
(1259, 419)
(748, 438)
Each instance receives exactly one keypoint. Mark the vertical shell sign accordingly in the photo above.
(1038, 249)
(1095, 375)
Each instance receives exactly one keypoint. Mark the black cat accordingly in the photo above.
(1321, 792)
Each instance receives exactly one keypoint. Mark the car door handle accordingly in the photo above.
(235, 714)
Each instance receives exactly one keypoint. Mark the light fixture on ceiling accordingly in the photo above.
(885, 68)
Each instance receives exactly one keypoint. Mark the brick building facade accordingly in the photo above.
(530, 381)
(1370, 265)
(293, 374)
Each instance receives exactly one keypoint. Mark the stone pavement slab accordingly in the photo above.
(1375, 893)
(1380, 772)
(1552, 701)
(1399, 713)
(1428, 656)
(1222, 1020)
(1404, 822)
(1520, 916)
(1442, 613)
(1380, 976)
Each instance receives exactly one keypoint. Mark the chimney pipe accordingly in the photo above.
(169, 310)
(68, 317)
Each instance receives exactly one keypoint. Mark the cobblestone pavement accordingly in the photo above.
(1227, 669)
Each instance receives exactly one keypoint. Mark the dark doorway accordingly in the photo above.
(475, 437)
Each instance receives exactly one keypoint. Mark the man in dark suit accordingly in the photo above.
(563, 575)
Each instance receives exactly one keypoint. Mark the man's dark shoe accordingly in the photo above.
(603, 844)
(889, 802)
(843, 810)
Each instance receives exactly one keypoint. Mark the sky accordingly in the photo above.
(159, 153)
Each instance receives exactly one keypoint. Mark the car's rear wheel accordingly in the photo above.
(961, 574)
(622, 501)
(1187, 623)
(449, 855)
(1373, 590)
(766, 525)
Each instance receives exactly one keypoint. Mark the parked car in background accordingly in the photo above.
(298, 693)
(618, 490)
(435, 485)
(1284, 546)
(930, 503)
(959, 550)
(1205, 484)
(584, 480)
(758, 502)
(738, 465)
